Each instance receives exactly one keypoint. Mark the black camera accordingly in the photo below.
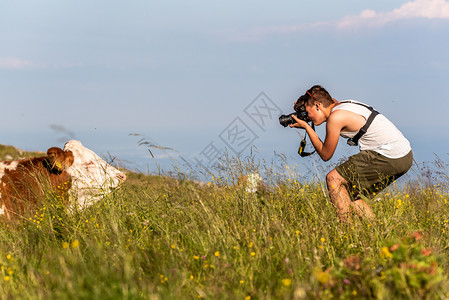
(301, 114)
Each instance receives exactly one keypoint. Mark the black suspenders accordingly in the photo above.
(354, 141)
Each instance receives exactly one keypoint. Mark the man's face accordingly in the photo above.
(315, 113)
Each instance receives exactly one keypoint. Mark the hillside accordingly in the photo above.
(12, 153)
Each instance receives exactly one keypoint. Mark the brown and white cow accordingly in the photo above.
(76, 174)
(23, 183)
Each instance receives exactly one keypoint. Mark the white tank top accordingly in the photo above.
(382, 136)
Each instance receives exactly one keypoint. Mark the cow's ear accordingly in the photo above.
(68, 159)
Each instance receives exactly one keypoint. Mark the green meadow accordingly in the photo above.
(169, 237)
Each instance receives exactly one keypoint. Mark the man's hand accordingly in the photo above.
(299, 123)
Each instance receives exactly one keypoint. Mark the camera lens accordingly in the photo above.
(286, 120)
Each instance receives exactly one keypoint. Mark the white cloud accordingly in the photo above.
(429, 9)
(12, 63)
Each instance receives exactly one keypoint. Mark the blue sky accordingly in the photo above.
(179, 73)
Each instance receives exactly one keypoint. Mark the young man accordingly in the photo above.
(385, 153)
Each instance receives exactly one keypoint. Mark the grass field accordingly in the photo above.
(160, 237)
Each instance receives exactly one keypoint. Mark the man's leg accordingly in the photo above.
(339, 195)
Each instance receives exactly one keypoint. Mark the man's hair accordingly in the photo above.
(315, 93)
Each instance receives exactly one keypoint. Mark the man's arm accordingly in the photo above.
(333, 127)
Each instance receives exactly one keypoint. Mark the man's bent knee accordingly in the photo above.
(334, 180)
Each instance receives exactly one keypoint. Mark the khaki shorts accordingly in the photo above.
(369, 172)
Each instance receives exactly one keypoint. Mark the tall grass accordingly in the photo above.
(160, 237)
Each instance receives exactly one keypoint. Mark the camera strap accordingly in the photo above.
(302, 146)
(354, 141)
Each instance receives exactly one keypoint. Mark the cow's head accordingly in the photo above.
(92, 177)
(59, 160)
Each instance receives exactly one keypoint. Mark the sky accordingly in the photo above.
(198, 78)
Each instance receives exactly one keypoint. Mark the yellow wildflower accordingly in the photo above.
(384, 252)
(75, 244)
(322, 277)
(286, 282)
